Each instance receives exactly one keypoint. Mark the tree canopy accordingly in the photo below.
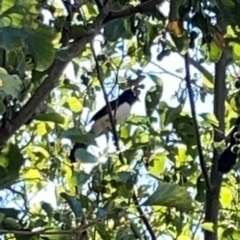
(154, 177)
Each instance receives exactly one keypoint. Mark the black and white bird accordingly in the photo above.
(228, 158)
(120, 108)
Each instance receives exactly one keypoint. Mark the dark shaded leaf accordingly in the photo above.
(84, 156)
(47, 208)
(50, 117)
(40, 45)
(116, 29)
(230, 233)
(74, 204)
(79, 135)
(153, 95)
(170, 195)
(10, 84)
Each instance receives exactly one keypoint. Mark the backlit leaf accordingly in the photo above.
(158, 161)
(226, 197)
(210, 118)
(74, 104)
(215, 52)
(208, 226)
(31, 173)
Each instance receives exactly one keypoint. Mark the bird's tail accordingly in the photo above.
(75, 147)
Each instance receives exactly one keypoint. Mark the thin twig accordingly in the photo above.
(145, 7)
(24, 198)
(112, 121)
(166, 71)
(195, 124)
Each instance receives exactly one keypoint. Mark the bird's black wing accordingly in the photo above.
(104, 111)
(127, 96)
(226, 160)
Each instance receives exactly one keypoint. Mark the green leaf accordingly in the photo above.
(226, 197)
(125, 176)
(81, 177)
(2, 216)
(158, 162)
(47, 207)
(40, 44)
(170, 195)
(230, 233)
(74, 204)
(9, 179)
(79, 135)
(31, 173)
(215, 52)
(11, 224)
(182, 43)
(74, 104)
(137, 120)
(210, 118)
(14, 156)
(41, 129)
(10, 84)
(236, 51)
(153, 95)
(2, 106)
(141, 137)
(84, 156)
(116, 29)
(11, 37)
(50, 117)
(207, 226)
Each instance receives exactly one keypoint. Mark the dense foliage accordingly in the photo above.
(160, 179)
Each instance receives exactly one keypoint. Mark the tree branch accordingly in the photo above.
(195, 124)
(141, 8)
(212, 198)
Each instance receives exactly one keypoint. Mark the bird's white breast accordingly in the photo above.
(104, 122)
(122, 113)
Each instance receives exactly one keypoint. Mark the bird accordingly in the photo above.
(120, 107)
(228, 158)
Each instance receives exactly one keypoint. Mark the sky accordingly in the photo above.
(171, 84)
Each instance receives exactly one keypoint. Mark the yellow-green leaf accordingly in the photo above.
(31, 173)
(210, 118)
(226, 197)
(74, 104)
(208, 226)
